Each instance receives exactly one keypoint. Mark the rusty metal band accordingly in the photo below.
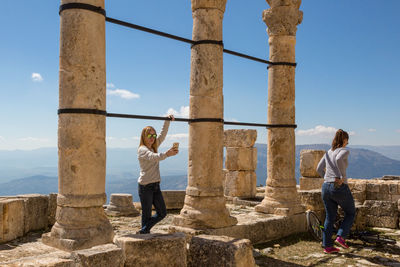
(93, 8)
(194, 43)
(82, 111)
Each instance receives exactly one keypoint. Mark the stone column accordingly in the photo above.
(280, 193)
(240, 163)
(204, 201)
(80, 218)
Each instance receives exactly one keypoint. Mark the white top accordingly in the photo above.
(334, 164)
(149, 160)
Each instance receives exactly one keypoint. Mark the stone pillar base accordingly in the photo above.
(271, 206)
(204, 213)
(87, 228)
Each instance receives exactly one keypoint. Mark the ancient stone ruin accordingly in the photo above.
(207, 232)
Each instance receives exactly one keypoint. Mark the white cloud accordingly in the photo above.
(123, 93)
(178, 136)
(36, 77)
(319, 130)
(183, 112)
(371, 130)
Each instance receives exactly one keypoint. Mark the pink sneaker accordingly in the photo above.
(330, 250)
(341, 242)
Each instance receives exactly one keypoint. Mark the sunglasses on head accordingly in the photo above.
(151, 135)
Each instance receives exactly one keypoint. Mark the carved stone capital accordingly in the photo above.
(276, 3)
(215, 4)
(282, 20)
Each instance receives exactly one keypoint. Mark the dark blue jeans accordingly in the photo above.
(150, 194)
(333, 197)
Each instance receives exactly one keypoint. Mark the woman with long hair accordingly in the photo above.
(149, 179)
(335, 192)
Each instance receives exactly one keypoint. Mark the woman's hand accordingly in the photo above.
(172, 152)
(171, 117)
(338, 181)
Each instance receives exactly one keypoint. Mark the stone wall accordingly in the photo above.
(377, 202)
(24, 213)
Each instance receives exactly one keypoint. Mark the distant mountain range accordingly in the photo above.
(35, 171)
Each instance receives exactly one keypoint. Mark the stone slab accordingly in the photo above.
(108, 255)
(174, 199)
(311, 199)
(35, 212)
(207, 250)
(382, 213)
(307, 183)
(309, 160)
(241, 158)
(240, 138)
(240, 183)
(257, 227)
(12, 219)
(56, 259)
(153, 249)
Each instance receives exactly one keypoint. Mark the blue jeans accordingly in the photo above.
(333, 197)
(150, 194)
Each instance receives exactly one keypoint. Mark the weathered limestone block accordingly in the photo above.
(395, 198)
(358, 189)
(360, 221)
(207, 250)
(153, 249)
(174, 199)
(393, 190)
(121, 205)
(307, 183)
(240, 138)
(52, 208)
(241, 159)
(12, 219)
(311, 199)
(373, 186)
(240, 184)
(55, 259)
(382, 213)
(35, 212)
(108, 255)
(309, 160)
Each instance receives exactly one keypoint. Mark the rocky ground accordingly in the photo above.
(296, 250)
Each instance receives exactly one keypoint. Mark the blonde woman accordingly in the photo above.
(336, 192)
(149, 179)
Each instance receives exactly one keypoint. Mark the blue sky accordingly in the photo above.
(347, 75)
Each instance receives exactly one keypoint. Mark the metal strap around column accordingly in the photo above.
(207, 42)
(81, 111)
(146, 117)
(93, 8)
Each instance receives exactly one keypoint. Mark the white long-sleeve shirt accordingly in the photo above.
(334, 164)
(149, 160)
